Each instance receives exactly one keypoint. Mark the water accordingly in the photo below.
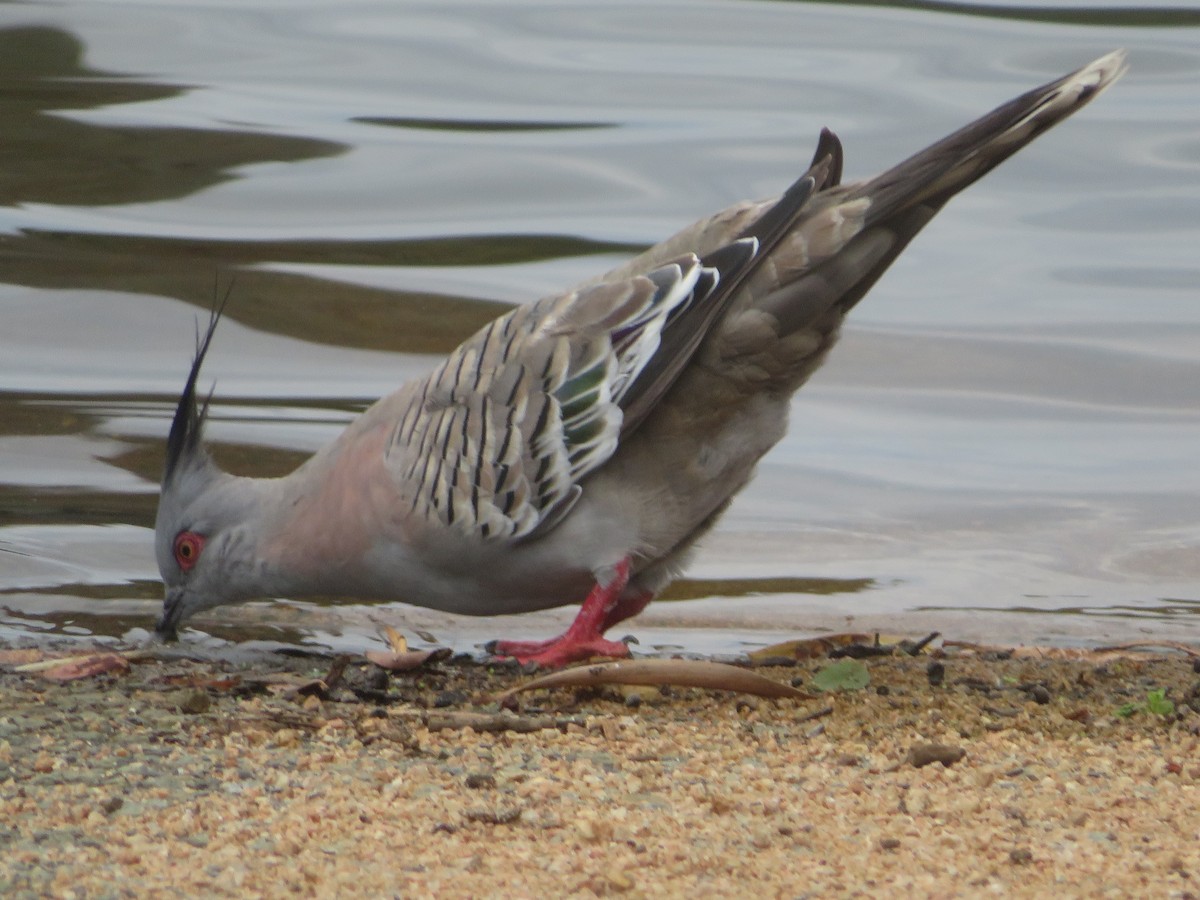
(1003, 447)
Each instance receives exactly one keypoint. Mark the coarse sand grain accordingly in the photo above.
(997, 775)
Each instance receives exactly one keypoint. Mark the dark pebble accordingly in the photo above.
(376, 679)
(1040, 694)
(883, 690)
(936, 672)
(1020, 856)
(889, 843)
(444, 699)
(1003, 712)
(797, 681)
(921, 755)
(194, 702)
(478, 780)
(633, 701)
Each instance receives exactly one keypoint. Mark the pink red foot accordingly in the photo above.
(584, 639)
(559, 651)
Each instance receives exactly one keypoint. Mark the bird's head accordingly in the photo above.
(200, 532)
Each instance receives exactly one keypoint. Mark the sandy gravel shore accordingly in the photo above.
(239, 779)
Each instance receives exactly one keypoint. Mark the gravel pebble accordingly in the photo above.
(107, 789)
(936, 673)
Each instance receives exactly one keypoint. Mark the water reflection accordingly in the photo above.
(53, 154)
(1009, 426)
(471, 126)
(57, 159)
(1134, 16)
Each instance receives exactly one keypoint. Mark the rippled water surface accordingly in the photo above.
(1003, 447)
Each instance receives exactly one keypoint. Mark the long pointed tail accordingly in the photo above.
(941, 170)
(850, 234)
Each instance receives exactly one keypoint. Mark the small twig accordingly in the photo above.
(912, 649)
(1084, 653)
(866, 651)
(500, 816)
(1188, 649)
(53, 663)
(815, 714)
(336, 669)
(501, 721)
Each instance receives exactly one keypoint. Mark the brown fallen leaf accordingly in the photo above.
(406, 660)
(681, 672)
(806, 648)
(87, 667)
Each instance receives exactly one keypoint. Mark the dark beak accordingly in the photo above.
(167, 628)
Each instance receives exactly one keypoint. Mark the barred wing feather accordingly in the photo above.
(496, 440)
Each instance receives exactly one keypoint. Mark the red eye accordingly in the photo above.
(188, 545)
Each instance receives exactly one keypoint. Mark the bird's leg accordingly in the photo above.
(604, 607)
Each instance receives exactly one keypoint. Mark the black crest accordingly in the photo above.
(185, 440)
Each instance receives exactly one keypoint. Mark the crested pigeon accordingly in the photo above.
(575, 449)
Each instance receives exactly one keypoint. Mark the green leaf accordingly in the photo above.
(1157, 703)
(1128, 710)
(843, 675)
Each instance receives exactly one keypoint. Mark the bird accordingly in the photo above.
(576, 449)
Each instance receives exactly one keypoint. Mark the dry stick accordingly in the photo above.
(53, 663)
(1190, 650)
(815, 714)
(492, 722)
(680, 672)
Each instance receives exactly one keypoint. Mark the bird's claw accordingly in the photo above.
(560, 651)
